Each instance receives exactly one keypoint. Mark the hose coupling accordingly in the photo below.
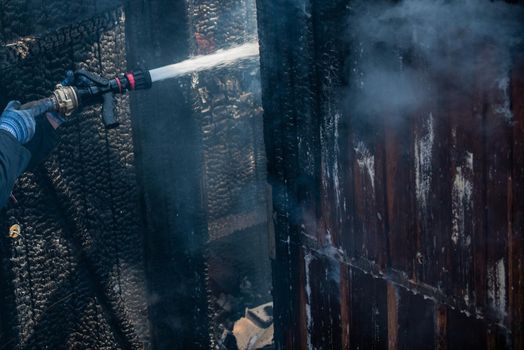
(65, 99)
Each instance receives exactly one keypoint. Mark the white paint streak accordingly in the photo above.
(334, 255)
(289, 254)
(461, 203)
(466, 295)
(497, 287)
(366, 162)
(332, 273)
(469, 160)
(309, 320)
(423, 158)
(504, 108)
(331, 155)
(336, 180)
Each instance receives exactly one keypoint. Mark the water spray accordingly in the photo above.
(92, 89)
(219, 59)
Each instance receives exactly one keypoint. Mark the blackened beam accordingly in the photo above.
(400, 279)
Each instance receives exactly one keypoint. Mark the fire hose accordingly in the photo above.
(94, 89)
(89, 88)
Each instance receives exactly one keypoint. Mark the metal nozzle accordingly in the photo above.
(65, 99)
(135, 80)
(142, 79)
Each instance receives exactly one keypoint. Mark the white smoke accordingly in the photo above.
(401, 49)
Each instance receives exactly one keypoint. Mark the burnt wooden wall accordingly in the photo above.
(201, 169)
(75, 276)
(227, 105)
(390, 233)
(130, 235)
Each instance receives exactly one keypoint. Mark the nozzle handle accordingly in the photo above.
(108, 111)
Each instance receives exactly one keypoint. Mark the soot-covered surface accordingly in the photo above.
(75, 277)
(394, 138)
(130, 236)
(227, 104)
(202, 172)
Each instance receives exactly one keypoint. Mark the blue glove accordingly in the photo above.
(69, 78)
(78, 80)
(20, 123)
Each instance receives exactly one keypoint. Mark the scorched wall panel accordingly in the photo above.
(201, 166)
(400, 165)
(74, 278)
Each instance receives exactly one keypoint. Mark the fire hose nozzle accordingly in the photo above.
(65, 100)
(103, 90)
(136, 80)
(92, 89)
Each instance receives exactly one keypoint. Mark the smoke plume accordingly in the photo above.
(400, 50)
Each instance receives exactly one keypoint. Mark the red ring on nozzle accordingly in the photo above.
(131, 79)
(119, 83)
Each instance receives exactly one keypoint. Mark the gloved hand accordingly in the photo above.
(69, 78)
(21, 123)
(82, 78)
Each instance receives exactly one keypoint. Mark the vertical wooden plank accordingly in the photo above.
(497, 338)
(400, 195)
(466, 185)
(441, 327)
(290, 277)
(291, 124)
(431, 145)
(498, 135)
(400, 173)
(304, 316)
(345, 303)
(491, 340)
(416, 321)
(367, 153)
(431, 142)
(314, 303)
(368, 312)
(465, 331)
(474, 135)
(393, 299)
(432, 189)
(330, 17)
(172, 196)
(516, 200)
(426, 152)
(332, 291)
(448, 150)
(323, 317)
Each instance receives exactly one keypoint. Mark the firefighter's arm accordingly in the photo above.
(45, 139)
(13, 161)
(26, 138)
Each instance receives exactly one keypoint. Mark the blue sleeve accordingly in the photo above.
(14, 159)
(41, 145)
